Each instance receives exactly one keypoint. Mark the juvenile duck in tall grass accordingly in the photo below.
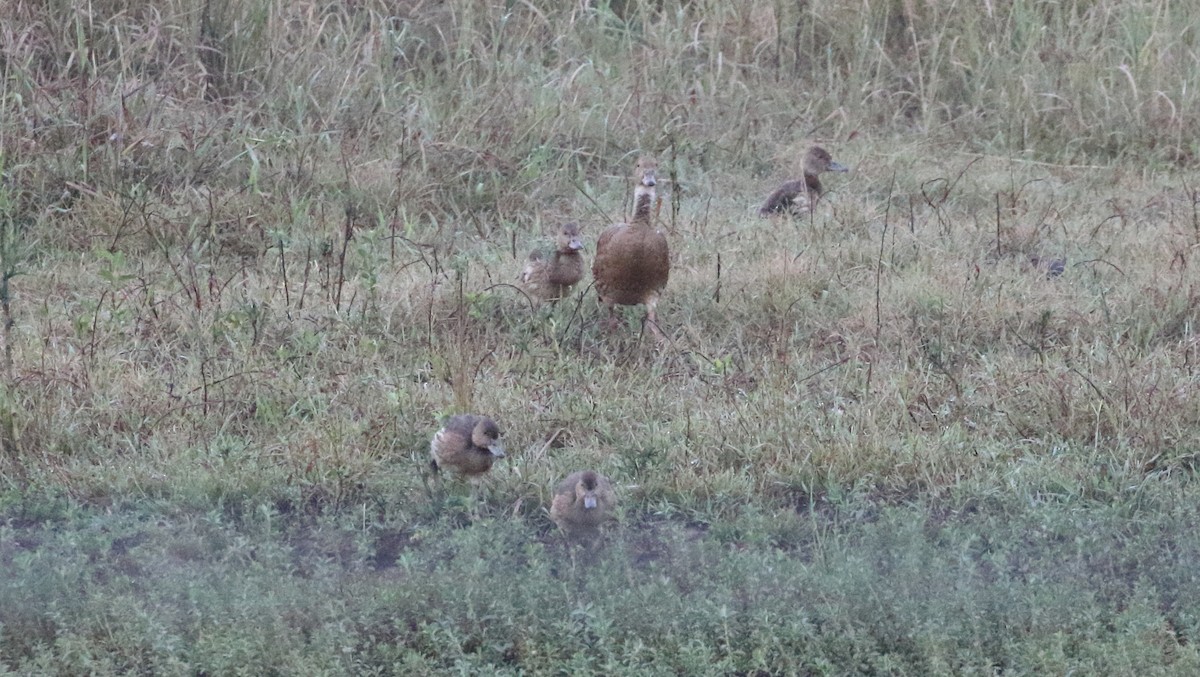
(1053, 266)
(467, 444)
(582, 503)
(632, 259)
(798, 197)
(549, 275)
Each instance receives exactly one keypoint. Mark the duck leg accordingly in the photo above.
(652, 319)
(613, 323)
(473, 512)
(479, 494)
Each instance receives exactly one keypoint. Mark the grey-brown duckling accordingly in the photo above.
(800, 196)
(550, 275)
(582, 503)
(467, 445)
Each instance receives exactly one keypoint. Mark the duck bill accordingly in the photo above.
(497, 450)
(575, 245)
(838, 167)
(589, 502)
(648, 179)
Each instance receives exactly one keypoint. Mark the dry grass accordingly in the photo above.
(254, 251)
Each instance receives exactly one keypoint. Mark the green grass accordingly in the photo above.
(253, 252)
(1051, 585)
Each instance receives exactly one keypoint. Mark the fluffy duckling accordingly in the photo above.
(549, 276)
(467, 444)
(632, 259)
(582, 502)
(799, 196)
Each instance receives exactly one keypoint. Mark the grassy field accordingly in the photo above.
(251, 253)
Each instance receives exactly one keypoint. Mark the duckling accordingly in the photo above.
(467, 444)
(801, 195)
(632, 259)
(549, 276)
(582, 502)
(1054, 266)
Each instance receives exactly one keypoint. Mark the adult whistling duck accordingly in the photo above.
(799, 196)
(632, 259)
(549, 275)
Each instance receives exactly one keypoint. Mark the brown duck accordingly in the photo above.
(801, 195)
(467, 444)
(549, 276)
(582, 502)
(632, 259)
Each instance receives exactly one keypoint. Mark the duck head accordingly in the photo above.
(646, 171)
(585, 490)
(569, 239)
(818, 160)
(486, 435)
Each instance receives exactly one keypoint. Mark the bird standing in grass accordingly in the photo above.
(582, 502)
(467, 444)
(549, 276)
(798, 197)
(1053, 266)
(632, 259)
